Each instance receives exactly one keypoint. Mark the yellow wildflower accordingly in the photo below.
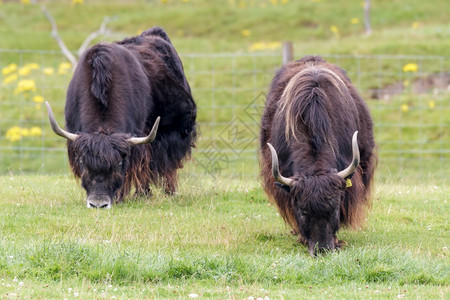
(354, 20)
(35, 131)
(404, 107)
(264, 46)
(24, 71)
(284, 1)
(25, 132)
(163, 1)
(74, 2)
(64, 68)
(415, 25)
(334, 29)
(48, 71)
(431, 104)
(9, 69)
(38, 99)
(245, 32)
(410, 67)
(25, 1)
(14, 134)
(10, 78)
(25, 85)
(274, 2)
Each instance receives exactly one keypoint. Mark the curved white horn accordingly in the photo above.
(148, 139)
(275, 168)
(355, 161)
(56, 129)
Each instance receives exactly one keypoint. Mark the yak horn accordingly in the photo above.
(276, 170)
(355, 161)
(145, 140)
(58, 130)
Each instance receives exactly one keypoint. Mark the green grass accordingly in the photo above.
(217, 239)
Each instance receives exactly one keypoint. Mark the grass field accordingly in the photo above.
(217, 239)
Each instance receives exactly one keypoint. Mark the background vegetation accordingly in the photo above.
(219, 238)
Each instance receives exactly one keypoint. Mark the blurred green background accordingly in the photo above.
(230, 51)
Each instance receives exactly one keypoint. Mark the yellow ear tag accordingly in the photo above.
(348, 183)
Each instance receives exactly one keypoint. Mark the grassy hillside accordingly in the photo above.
(400, 27)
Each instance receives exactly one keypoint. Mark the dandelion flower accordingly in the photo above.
(354, 21)
(48, 71)
(64, 68)
(14, 134)
(10, 78)
(38, 99)
(25, 132)
(431, 104)
(415, 25)
(25, 1)
(25, 85)
(74, 2)
(9, 69)
(410, 67)
(245, 32)
(24, 71)
(404, 107)
(258, 46)
(334, 29)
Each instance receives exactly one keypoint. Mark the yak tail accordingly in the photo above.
(101, 61)
(310, 98)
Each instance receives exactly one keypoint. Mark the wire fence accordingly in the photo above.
(409, 98)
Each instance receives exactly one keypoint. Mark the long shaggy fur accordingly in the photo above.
(311, 113)
(119, 90)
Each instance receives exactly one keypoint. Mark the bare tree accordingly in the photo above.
(73, 60)
(367, 17)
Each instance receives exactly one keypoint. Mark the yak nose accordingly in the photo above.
(315, 249)
(101, 201)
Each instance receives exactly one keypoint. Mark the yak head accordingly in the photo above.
(102, 159)
(316, 201)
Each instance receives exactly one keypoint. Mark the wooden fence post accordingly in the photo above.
(288, 52)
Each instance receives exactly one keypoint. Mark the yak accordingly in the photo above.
(317, 151)
(130, 118)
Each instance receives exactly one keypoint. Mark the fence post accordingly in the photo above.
(288, 52)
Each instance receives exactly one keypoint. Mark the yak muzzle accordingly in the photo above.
(99, 201)
(316, 248)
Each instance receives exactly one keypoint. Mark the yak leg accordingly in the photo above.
(143, 187)
(144, 191)
(170, 183)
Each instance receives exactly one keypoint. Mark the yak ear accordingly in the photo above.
(283, 186)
